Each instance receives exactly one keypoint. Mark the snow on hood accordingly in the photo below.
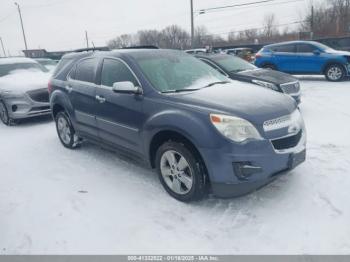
(24, 80)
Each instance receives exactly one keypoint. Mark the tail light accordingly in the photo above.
(257, 55)
(49, 87)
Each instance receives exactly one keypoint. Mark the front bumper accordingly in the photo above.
(22, 106)
(264, 163)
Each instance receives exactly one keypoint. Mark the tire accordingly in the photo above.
(65, 131)
(269, 66)
(335, 72)
(180, 171)
(4, 116)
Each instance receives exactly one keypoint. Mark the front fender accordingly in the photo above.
(196, 128)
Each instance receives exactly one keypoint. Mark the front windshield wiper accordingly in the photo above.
(216, 83)
(180, 90)
(194, 89)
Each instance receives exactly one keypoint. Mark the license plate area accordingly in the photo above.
(296, 159)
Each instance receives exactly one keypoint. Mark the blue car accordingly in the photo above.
(305, 57)
(200, 130)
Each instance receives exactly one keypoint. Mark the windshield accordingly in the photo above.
(232, 63)
(175, 71)
(8, 68)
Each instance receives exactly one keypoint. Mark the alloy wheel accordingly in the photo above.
(64, 130)
(3, 113)
(334, 73)
(176, 172)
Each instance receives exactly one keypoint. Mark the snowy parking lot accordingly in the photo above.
(92, 201)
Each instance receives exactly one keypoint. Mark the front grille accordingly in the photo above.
(291, 88)
(39, 95)
(287, 142)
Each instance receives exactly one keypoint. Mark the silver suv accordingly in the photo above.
(23, 89)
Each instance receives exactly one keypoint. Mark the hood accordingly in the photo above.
(270, 76)
(21, 81)
(251, 102)
(339, 52)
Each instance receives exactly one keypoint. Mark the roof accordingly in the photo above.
(292, 42)
(120, 52)
(16, 60)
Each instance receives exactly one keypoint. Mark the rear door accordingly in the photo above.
(285, 57)
(308, 61)
(119, 115)
(81, 90)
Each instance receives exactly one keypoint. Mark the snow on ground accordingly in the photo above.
(92, 201)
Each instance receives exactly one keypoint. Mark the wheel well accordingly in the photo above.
(333, 63)
(57, 108)
(268, 63)
(164, 136)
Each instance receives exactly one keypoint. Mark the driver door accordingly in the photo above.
(119, 115)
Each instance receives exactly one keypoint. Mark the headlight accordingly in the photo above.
(266, 84)
(234, 128)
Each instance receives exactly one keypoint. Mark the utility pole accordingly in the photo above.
(3, 48)
(192, 25)
(20, 17)
(312, 22)
(87, 39)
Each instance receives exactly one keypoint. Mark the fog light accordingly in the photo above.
(14, 108)
(243, 170)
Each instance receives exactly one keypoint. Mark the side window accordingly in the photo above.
(284, 49)
(305, 48)
(116, 71)
(85, 70)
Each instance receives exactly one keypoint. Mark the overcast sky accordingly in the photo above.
(60, 24)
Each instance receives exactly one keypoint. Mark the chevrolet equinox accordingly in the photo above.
(200, 130)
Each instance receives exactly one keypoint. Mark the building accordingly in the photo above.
(42, 53)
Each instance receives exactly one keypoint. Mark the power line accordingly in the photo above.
(236, 5)
(224, 8)
(257, 28)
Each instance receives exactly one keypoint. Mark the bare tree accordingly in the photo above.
(269, 25)
(175, 37)
(121, 41)
(149, 37)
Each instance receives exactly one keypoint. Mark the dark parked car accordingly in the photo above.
(305, 57)
(23, 89)
(245, 53)
(239, 69)
(198, 128)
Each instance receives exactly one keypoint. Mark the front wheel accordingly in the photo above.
(180, 171)
(4, 116)
(66, 131)
(335, 72)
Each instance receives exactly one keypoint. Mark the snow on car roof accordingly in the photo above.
(16, 60)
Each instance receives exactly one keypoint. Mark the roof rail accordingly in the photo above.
(102, 48)
(141, 47)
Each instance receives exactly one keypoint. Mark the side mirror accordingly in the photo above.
(126, 87)
(316, 52)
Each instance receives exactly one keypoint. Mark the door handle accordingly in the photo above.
(100, 99)
(68, 88)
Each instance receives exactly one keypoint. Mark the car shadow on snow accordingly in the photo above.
(33, 121)
(140, 172)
